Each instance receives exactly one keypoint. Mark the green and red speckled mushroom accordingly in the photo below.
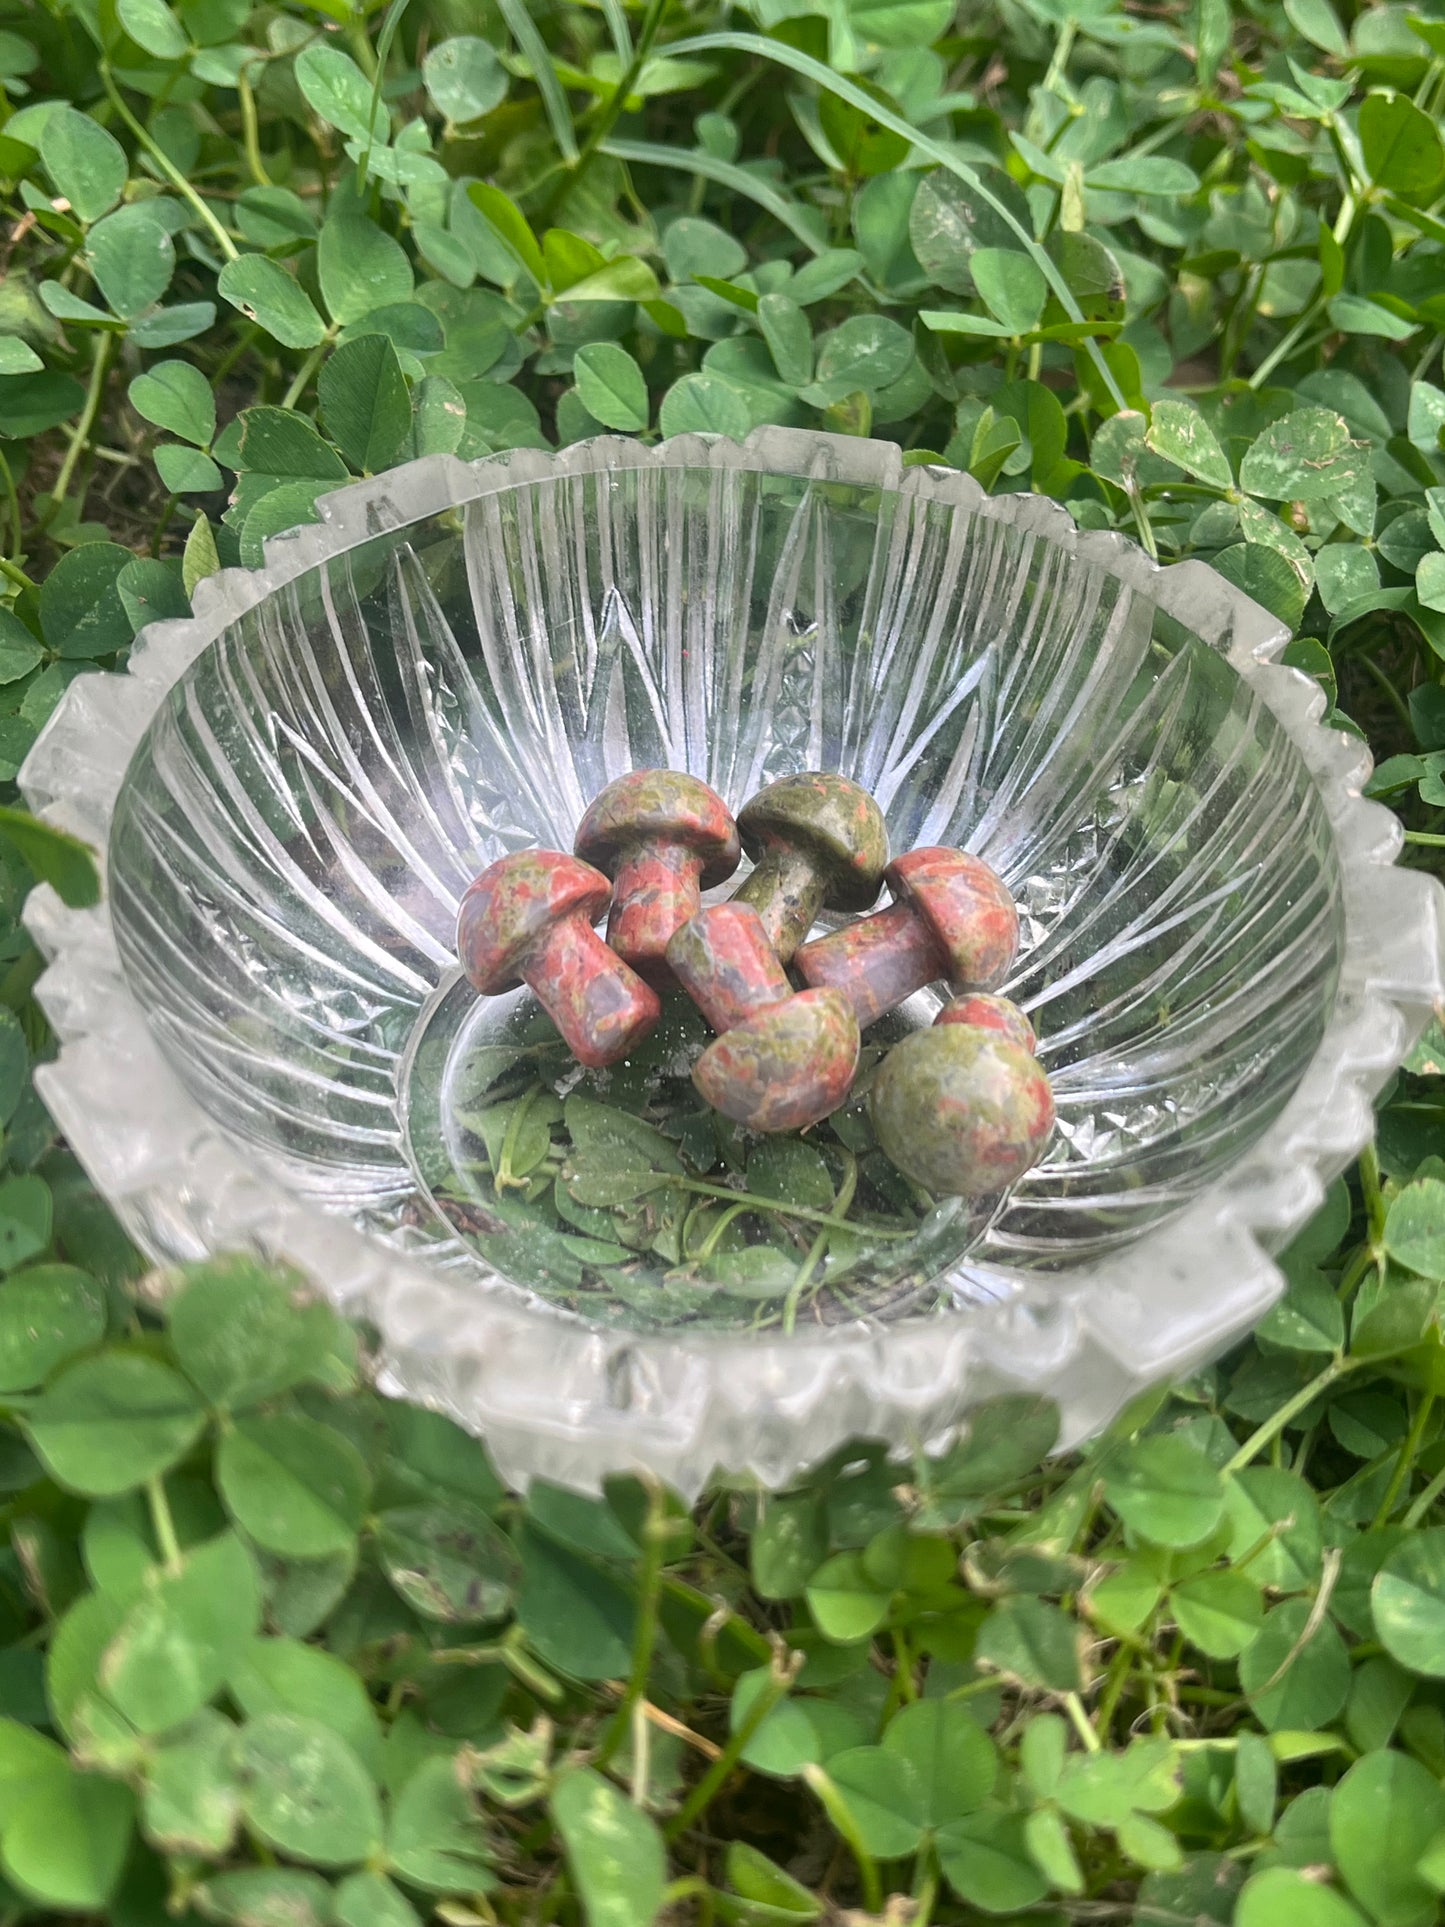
(663, 837)
(961, 1111)
(817, 842)
(983, 1012)
(528, 919)
(951, 918)
(784, 1059)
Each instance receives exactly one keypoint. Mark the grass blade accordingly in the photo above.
(804, 64)
(525, 32)
(725, 174)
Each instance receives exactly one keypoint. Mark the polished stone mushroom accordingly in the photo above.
(983, 1012)
(951, 918)
(663, 837)
(817, 842)
(961, 1111)
(784, 1059)
(528, 919)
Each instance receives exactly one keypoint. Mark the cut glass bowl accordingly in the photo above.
(264, 1040)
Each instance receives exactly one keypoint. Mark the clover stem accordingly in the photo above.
(842, 1199)
(304, 373)
(167, 166)
(1424, 1500)
(783, 1210)
(654, 1541)
(165, 1525)
(1405, 1458)
(105, 343)
(841, 1817)
(1081, 1723)
(1373, 1195)
(250, 132)
(785, 1667)
(1292, 1407)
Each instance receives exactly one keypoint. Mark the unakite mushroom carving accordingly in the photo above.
(785, 1058)
(528, 918)
(984, 1012)
(962, 1111)
(818, 842)
(663, 837)
(951, 917)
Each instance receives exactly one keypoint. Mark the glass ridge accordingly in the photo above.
(294, 786)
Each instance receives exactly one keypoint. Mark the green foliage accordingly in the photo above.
(273, 1650)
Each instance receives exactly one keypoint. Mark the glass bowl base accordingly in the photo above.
(617, 1196)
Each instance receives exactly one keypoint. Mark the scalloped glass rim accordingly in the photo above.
(573, 1404)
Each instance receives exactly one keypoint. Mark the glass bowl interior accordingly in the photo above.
(316, 791)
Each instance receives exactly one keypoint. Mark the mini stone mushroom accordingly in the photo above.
(951, 917)
(990, 1013)
(961, 1110)
(817, 842)
(785, 1058)
(528, 918)
(663, 837)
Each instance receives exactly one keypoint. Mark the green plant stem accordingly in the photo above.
(1374, 1196)
(776, 1206)
(1428, 354)
(655, 1534)
(80, 435)
(164, 1524)
(846, 1828)
(305, 372)
(1408, 1453)
(782, 1672)
(1424, 1499)
(1424, 837)
(1286, 346)
(12, 498)
(14, 573)
(925, 1888)
(1388, 690)
(610, 110)
(842, 1200)
(1292, 1407)
(167, 166)
(1081, 1723)
(250, 132)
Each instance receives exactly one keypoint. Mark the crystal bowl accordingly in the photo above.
(265, 1041)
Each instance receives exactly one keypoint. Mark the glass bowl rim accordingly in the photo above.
(567, 1401)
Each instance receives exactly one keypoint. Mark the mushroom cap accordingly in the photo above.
(984, 1012)
(963, 1112)
(833, 820)
(785, 1068)
(509, 909)
(660, 805)
(968, 908)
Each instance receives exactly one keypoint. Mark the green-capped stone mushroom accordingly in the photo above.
(962, 1111)
(817, 842)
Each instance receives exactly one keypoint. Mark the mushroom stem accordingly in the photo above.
(655, 888)
(600, 1006)
(786, 889)
(723, 960)
(876, 963)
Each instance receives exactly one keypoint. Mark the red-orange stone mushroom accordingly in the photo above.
(663, 837)
(952, 918)
(784, 1059)
(528, 919)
